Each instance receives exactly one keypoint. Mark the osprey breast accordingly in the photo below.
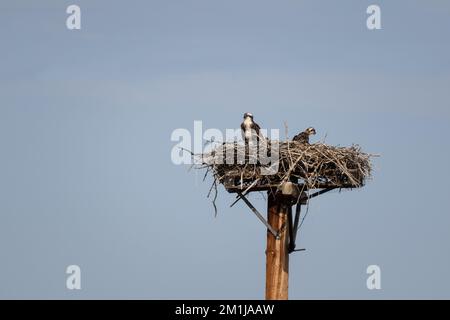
(248, 128)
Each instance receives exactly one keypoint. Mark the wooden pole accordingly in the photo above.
(277, 256)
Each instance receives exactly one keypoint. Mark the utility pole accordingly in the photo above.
(305, 172)
(277, 253)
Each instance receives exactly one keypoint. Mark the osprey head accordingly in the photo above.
(310, 131)
(248, 114)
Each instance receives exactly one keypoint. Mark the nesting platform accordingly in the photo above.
(310, 166)
(291, 172)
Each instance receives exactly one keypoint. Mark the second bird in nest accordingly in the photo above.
(303, 137)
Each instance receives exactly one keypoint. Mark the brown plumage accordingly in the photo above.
(250, 128)
(303, 137)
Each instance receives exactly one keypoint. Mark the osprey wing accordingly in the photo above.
(255, 127)
(302, 137)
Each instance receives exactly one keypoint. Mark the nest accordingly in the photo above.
(311, 165)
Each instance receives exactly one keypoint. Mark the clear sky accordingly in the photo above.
(86, 116)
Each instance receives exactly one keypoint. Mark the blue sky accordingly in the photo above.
(85, 124)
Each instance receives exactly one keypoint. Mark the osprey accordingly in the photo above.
(303, 137)
(249, 128)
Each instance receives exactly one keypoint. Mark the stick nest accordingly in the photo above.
(313, 165)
